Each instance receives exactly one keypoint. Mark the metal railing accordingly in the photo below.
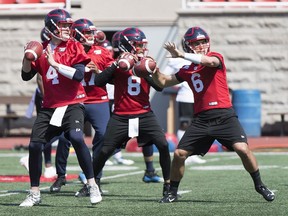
(34, 8)
(253, 5)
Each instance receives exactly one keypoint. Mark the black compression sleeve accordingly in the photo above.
(28, 76)
(79, 73)
(150, 81)
(105, 77)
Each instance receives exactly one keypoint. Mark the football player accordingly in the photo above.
(96, 104)
(214, 116)
(62, 67)
(132, 115)
(150, 174)
(185, 101)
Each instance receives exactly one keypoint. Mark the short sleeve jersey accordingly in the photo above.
(131, 95)
(102, 58)
(209, 85)
(60, 90)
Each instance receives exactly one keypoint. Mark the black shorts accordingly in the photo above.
(117, 130)
(43, 132)
(220, 124)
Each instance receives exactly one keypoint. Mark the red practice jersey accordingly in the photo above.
(102, 58)
(209, 85)
(131, 96)
(60, 90)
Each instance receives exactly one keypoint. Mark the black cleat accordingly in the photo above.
(166, 188)
(83, 192)
(56, 186)
(265, 192)
(169, 198)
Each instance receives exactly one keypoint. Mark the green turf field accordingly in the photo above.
(219, 187)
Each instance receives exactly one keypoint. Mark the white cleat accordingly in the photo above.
(50, 172)
(123, 161)
(33, 198)
(95, 195)
(24, 161)
(195, 159)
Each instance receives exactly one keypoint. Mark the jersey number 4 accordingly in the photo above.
(52, 75)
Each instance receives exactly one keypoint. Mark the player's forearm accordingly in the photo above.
(74, 73)
(27, 72)
(105, 76)
(26, 65)
(158, 79)
(153, 84)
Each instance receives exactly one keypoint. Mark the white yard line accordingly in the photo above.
(231, 155)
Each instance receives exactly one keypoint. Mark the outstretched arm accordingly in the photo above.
(164, 80)
(209, 61)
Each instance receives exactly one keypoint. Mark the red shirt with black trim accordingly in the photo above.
(60, 90)
(102, 58)
(209, 85)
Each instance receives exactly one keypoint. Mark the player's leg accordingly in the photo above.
(151, 133)
(237, 140)
(73, 127)
(150, 174)
(116, 134)
(98, 115)
(62, 154)
(36, 147)
(185, 118)
(194, 141)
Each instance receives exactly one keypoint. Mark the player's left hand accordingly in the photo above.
(92, 66)
(172, 49)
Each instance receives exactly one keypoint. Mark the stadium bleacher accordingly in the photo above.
(14, 7)
(248, 5)
(30, 1)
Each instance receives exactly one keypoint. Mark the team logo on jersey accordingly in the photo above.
(195, 68)
(97, 52)
(213, 103)
(62, 49)
(80, 96)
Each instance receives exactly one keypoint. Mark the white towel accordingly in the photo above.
(133, 128)
(58, 115)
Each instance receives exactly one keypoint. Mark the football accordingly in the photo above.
(100, 36)
(33, 50)
(126, 61)
(144, 67)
